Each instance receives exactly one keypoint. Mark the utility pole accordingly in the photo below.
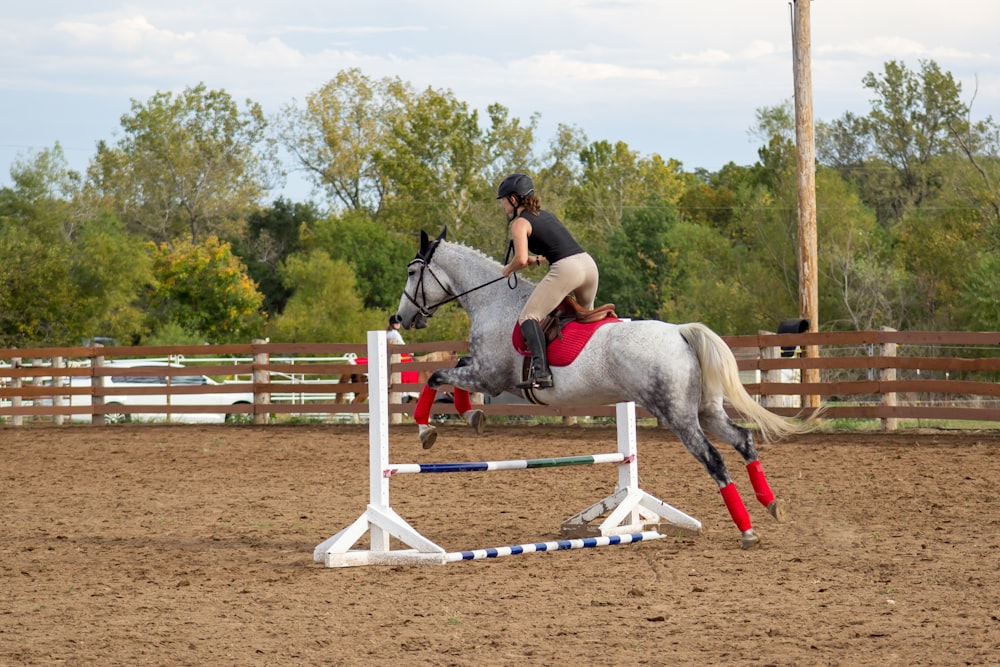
(806, 170)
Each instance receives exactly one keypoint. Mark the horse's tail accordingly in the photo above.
(721, 376)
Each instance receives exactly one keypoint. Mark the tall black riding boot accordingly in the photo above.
(534, 337)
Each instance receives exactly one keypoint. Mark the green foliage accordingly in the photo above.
(890, 154)
(109, 270)
(639, 263)
(272, 235)
(325, 306)
(33, 290)
(186, 166)
(707, 282)
(62, 289)
(339, 134)
(45, 177)
(67, 274)
(377, 257)
(434, 161)
(172, 333)
(203, 289)
(450, 322)
(978, 303)
(908, 217)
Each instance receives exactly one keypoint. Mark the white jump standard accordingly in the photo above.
(632, 514)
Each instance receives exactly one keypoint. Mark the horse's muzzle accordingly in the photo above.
(418, 322)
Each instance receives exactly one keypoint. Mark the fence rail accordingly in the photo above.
(885, 375)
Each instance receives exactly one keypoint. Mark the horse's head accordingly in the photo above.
(425, 289)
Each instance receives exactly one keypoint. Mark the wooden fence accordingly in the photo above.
(884, 375)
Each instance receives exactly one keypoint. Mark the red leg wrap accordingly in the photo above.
(760, 486)
(462, 402)
(422, 414)
(736, 508)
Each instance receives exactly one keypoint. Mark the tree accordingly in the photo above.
(562, 168)
(205, 290)
(890, 153)
(408, 160)
(339, 132)
(324, 306)
(272, 235)
(863, 283)
(68, 274)
(109, 270)
(187, 166)
(614, 178)
(978, 308)
(609, 181)
(377, 256)
(639, 263)
(45, 176)
(980, 142)
(434, 160)
(714, 282)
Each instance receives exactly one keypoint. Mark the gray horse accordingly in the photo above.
(680, 373)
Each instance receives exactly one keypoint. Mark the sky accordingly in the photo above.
(680, 79)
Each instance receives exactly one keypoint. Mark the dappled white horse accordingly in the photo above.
(681, 373)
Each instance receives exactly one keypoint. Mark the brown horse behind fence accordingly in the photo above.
(359, 381)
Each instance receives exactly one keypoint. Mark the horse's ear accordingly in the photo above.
(424, 241)
(444, 233)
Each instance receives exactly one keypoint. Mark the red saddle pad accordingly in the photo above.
(562, 351)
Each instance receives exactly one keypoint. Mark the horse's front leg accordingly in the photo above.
(465, 377)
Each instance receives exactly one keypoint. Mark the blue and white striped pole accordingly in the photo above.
(559, 545)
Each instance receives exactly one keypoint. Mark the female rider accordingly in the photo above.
(539, 237)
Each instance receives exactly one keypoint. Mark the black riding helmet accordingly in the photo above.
(515, 184)
(395, 319)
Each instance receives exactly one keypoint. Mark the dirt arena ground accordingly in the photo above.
(187, 545)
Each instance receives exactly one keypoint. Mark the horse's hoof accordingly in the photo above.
(476, 419)
(778, 509)
(750, 540)
(428, 436)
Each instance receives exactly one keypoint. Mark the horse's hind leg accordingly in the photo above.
(422, 415)
(473, 417)
(718, 423)
(695, 441)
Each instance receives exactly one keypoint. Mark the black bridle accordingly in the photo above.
(423, 258)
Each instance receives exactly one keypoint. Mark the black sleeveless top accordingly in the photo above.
(549, 237)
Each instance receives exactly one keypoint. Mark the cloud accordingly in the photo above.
(893, 48)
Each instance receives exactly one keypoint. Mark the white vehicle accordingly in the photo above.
(153, 379)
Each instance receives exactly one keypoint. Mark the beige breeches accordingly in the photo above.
(577, 274)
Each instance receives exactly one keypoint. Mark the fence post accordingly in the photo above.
(58, 363)
(15, 400)
(261, 377)
(771, 376)
(888, 375)
(96, 385)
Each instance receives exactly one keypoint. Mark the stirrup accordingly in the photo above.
(542, 382)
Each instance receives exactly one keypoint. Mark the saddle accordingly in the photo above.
(579, 325)
(568, 311)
